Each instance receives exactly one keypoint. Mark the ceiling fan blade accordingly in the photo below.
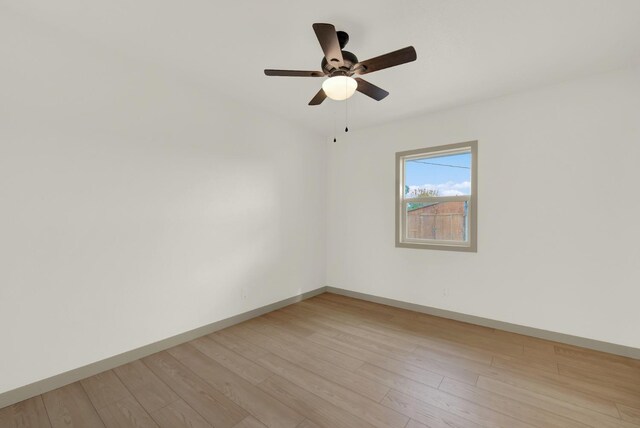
(318, 99)
(293, 73)
(328, 39)
(391, 59)
(370, 89)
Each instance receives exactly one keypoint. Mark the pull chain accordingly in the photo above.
(334, 126)
(346, 116)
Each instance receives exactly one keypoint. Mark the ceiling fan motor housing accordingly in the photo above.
(348, 59)
(343, 38)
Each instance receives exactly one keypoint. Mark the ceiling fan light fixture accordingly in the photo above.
(339, 65)
(339, 87)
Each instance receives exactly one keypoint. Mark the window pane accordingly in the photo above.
(442, 221)
(444, 175)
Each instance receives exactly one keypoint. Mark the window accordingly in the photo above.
(437, 197)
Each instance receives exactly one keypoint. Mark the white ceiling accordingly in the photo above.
(468, 50)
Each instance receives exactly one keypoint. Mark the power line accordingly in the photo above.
(439, 164)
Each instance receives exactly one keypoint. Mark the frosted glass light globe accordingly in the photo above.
(339, 87)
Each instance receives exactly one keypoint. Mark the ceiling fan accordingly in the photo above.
(340, 66)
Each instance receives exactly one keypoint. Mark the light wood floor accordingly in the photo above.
(337, 362)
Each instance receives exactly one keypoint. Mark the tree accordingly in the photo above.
(419, 193)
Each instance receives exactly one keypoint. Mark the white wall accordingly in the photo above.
(135, 206)
(558, 249)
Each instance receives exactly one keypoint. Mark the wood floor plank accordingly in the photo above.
(619, 370)
(262, 406)
(600, 358)
(316, 318)
(349, 324)
(145, 386)
(397, 382)
(552, 404)
(105, 389)
(298, 329)
(340, 376)
(333, 361)
(251, 422)
(211, 404)
(357, 307)
(231, 360)
(363, 306)
(407, 315)
(460, 369)
(630, 382)
(415, 424)
(340, 359)
(342, 320)
(405, 369)
(630, 414)
(444, 400)
(70, 406)
(335, 329)
(179, 414)
(357, 404)
(29, 413)
(354, 313)
(592, 365)
(464, 409)
(238, 345)
(526, 364)
(452, 351)
(438, 344)
(124, 414)
(427, 414)
(320, 411)
(543, 354)
(558, 391)
(308, 424)
(486, 343)
(541, 346)
(429, 342)
(525, 412)
(579, 387)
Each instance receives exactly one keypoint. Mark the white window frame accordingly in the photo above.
(471, 244)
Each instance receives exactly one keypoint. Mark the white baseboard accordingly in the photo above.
(611, 348)
(40, 387)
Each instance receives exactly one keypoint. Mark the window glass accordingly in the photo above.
(440, 221)
(448, 175)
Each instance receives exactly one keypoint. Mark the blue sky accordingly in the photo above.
(451, 177)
